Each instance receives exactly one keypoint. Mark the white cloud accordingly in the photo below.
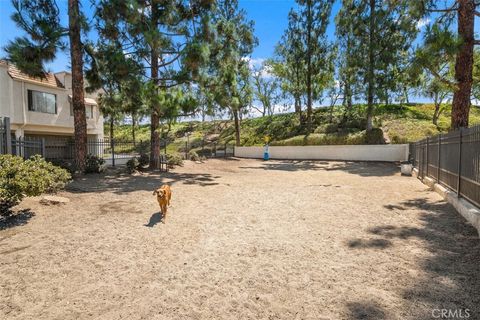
(422, 23)
(254, 62)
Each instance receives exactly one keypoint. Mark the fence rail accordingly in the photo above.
(453, 160)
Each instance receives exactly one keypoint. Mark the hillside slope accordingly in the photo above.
(398, 124)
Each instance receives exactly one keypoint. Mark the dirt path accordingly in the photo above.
(244, 240)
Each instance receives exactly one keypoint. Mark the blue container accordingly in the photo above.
(266, 154)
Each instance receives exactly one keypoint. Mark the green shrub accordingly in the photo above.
(375, 136)
(192, 155)
(94, 164)
(65, 164)
(143, 160)
(132, 164)
(174, 159)
(26, 178)
(205, 152)
(327, 128)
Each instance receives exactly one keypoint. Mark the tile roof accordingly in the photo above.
(14, 72)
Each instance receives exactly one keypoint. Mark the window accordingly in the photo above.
(42, 102)
(88, 111)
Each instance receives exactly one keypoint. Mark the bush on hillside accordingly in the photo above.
(192, 155)
(327, 128)
(375, 136)
(174, 159)
(27, 178)
(315, 139)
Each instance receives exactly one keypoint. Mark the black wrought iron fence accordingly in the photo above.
(27, 147)
(211, 149)
(5, 136)
(452, 159)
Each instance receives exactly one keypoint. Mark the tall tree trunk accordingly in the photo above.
(405, 95)
(298, 109)
(371, 66)
(134, 123)
(436, 113)
(309, 67)
(154, 117)
(464, 64)
(111, 127)
(347, 102)
(78, 101)
(236, 119)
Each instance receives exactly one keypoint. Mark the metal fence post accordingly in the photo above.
(225, 153)
(186, 150)
(427, 156)
(112, 146)
(8, 135)
(459, 181)
(42, 146)
(438, 159)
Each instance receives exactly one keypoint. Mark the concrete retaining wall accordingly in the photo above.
(470, 212)
(389, 152)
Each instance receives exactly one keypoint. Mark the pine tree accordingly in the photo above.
(382, 32)
(169, 37)
(40, 20)
(463, 13)
(287, 65)
(228, 71)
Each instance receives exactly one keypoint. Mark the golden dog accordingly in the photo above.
(164, 194)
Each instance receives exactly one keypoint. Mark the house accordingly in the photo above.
(41, 108)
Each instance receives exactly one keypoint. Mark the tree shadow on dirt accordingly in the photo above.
(154, 219)
(19, 218)
(289, 165)
(365, 311)
(364, 169)
(371, 243)
(121, 183)
(451, 272)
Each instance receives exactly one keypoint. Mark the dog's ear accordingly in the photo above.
(155, 192)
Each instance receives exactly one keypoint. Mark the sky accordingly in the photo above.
(270, 17)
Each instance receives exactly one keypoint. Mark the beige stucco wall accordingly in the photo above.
(14, 104)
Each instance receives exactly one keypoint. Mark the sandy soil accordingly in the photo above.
(244, 240)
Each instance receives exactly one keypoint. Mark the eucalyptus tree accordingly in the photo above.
(346, 71)
(169, 38)
(40, 19)
(287, 64)
(318, 52)
(305, 55)
(381, 32)
(266, 89)
(228, 74)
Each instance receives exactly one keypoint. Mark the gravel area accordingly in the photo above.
(244, 239)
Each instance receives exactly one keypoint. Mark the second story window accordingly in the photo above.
(42, 102)
(88, 111)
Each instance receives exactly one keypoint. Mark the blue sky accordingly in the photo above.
(270, 18)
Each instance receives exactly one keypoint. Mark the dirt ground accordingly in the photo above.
(244, 239)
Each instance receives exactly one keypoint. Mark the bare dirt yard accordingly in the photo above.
(245, 239)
